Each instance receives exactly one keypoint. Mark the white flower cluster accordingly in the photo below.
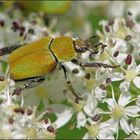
(117, 89)
(111, 100)
(20, 122)
(114, 102)
(16, 120)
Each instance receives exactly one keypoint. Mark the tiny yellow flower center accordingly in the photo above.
(130, 75)
(121, 32)
(117, 112)
(31, 133)
(93, 130)
(5, 133)
(78, 106)
(104, 56)
(91, 83)
(49, 135)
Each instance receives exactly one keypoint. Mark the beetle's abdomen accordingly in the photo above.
(34, 64)
(63, 48)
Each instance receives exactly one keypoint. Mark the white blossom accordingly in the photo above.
(121, 111)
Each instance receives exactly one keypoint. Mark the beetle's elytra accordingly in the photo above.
(31, 62)
(36, 59)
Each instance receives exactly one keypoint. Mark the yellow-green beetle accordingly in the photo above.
(30, 63)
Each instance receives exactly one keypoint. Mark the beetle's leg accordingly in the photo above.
(89, 47)
(100, 44)
(8, 50)
(95, 46)
(28, 83)
(80, 50)
(94, 64)
(69, 83)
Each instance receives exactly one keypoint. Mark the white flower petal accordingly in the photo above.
(72, 66)
(133, 65)
(86, 136)
(117, 76)
(137, 69)
(125, 126)
(99, 93)
(101, 74)
(124, 99)
(113, 123)
(137, 127)
(138, 101)
(121, 57)
(132, 111)
(90, 106)
(108, 125)
(63, 113)
(105, 134)
(136, 81)
(124, 86)
(110, 102)
(121, 46)
(104, 125)
(81, 120)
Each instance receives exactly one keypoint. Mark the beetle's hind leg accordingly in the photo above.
(8, 50)
(77, 96)
(28, 83)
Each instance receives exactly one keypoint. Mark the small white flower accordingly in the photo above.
(99, 131)
(100, 94)
(84, 109)
(90, 105)
(131, 74)
(121, 111)
(138, 101)
(63, 114)
(124, 86)
(136, 133)
(81, 119)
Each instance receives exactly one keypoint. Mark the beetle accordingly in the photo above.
(30, 63)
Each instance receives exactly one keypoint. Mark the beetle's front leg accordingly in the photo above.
(8, 50)
(100, 44)
(77, 97)
(29, 83)
(94, 64)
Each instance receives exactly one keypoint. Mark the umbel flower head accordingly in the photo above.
(22, 122)
(110, 97)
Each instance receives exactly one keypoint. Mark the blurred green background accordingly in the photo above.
(79, 17)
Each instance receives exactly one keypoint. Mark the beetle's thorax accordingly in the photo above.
(63, 48)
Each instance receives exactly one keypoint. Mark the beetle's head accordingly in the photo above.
(81, 46)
